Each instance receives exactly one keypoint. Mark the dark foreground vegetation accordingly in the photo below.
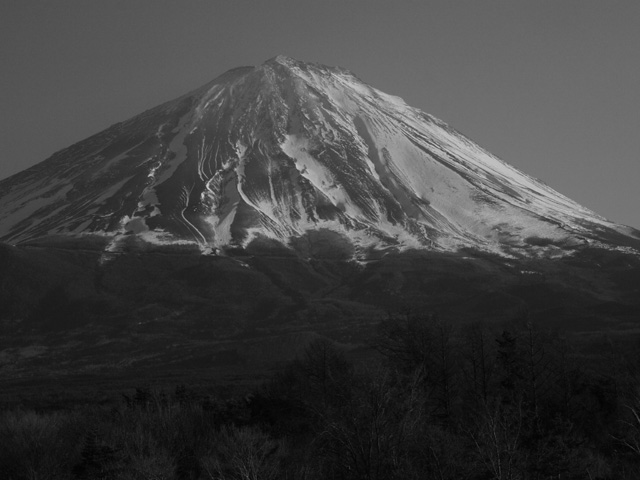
(474, 402)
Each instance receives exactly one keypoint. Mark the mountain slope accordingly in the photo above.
(286, 148)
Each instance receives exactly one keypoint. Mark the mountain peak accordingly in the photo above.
(282, 60)
(266, 152)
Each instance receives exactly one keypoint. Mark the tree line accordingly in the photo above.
(473, 402)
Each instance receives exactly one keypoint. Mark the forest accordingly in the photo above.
(431, 401)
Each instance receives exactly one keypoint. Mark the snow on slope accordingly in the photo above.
(284, 148)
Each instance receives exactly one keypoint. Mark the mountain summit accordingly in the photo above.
(284, 149)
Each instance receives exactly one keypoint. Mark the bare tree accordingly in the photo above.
(479, 360)
(424, 344)
(367, 439)
(244, 453)
(497, 438)
(539, 362)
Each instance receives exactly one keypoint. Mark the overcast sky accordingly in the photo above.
(552, 87)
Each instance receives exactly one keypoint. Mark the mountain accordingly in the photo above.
(224, 230)
(288, 151)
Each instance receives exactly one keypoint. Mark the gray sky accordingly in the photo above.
(550, 86)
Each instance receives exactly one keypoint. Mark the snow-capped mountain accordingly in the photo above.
(285, 148)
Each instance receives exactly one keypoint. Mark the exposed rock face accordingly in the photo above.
(286, 148)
